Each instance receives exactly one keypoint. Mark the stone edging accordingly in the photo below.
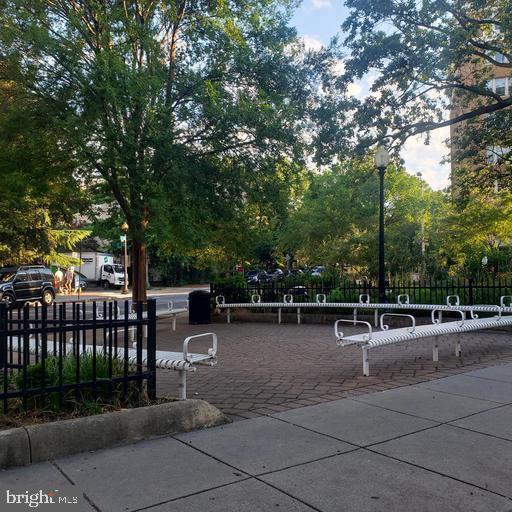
(36, 443)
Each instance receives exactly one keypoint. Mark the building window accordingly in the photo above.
(499, 57)
(500, 86)
(496, 154)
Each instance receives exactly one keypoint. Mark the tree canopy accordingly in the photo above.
(174, 107)
(39, 194)
(426, 59)
(337, 222)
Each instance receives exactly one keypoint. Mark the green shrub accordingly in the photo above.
(83, 399)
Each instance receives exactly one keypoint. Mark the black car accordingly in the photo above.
(26, 283)
(83, 282)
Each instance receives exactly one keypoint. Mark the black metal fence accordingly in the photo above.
(77, 349)
(469, 291)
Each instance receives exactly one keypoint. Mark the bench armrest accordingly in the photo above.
(170, 305)
(364, 298)
(321, 298)
(288, 298)
(211, 351)
(406, 300)
(385, 327)
(220, 300)
(339, 334)
(449, 300)
(502, 301)
(256, 298)
(437, 320)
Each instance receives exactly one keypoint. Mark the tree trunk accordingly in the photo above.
(138, 271)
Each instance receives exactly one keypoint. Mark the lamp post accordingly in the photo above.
(422, 241)
(381, 162)
(124, 229)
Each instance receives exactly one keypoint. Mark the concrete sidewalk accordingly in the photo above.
(443, 445)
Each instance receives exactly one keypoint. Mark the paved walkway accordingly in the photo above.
(266, 368)
(444, 445)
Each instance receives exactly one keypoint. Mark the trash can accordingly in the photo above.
(199, 307)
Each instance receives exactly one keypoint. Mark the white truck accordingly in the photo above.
(100, 267)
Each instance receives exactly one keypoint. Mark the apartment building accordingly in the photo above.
(478, 144)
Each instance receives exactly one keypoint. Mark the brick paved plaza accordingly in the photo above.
(266, 368)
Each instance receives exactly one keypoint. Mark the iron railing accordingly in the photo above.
(470, 291)
(39, 343)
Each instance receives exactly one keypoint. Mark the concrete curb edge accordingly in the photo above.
(36, 443)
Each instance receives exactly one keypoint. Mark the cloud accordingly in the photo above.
(427, 159)
(338, 67)
(321, 4)
(312, 43)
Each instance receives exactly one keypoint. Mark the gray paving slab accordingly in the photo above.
(263, 444)
(363, 481)
(469, 456)
(247, 496)
(497, 422)
(502, 373)
(426, 403)
(145, 474)
(473, 387)
(40, 478)
(354, 422)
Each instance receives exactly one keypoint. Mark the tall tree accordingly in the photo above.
(38, 193)
(170, 103)
(427, 59)
(337, 221)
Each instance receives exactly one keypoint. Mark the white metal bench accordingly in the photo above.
(174, 312)
(452, 304)
(386, 336)
(183, 362)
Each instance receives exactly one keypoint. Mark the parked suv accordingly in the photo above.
(27, 283)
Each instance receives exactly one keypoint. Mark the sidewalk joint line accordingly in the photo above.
(451, 477)
(190, 495)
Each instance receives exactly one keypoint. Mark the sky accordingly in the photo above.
(316, 22)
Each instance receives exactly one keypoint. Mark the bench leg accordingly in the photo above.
(229, 315)
(279, 316)
(376, 318)
(298, 316)
(435, 350)
(355, 316)
(366, 361)
(458, 350)
(183, 385)
(174, 323)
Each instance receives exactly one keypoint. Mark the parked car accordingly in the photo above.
(276, 273)
(26, 283)
(251, 276)
(298, 291)
(318, 271)
(83, 282)
(296, 272)
(257, 276)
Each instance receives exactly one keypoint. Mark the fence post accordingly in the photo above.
(3, 336)
(3, 355)
(471, 297)
(151, 348)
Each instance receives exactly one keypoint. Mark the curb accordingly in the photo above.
(37, 443)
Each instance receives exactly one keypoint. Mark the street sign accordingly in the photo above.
(105, 259)
(123, 238)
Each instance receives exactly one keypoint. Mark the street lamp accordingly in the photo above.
(381, 162)
(124, 229)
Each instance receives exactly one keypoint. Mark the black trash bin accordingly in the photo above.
(199, 307)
